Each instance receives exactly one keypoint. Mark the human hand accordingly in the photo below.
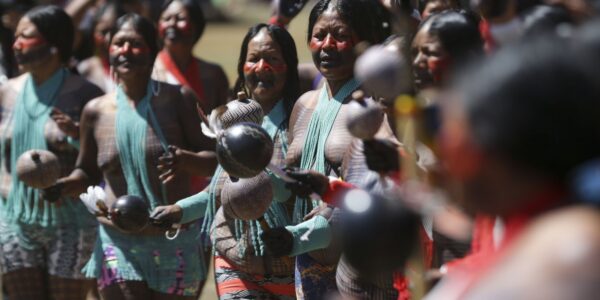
(171, 163)
(52, 193)
(65, 123)
(307, 182)
(165, 216)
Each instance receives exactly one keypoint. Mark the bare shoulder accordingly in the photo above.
(100, 104)
(14, 83)
(570, 226)
(307, 100)
(11, 88)
(557, 257)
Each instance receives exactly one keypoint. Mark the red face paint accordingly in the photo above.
(22, 43)
(329, 42)
(126, 48)
(184, 26)
(263, 65)
(162, 28)
(438, 67)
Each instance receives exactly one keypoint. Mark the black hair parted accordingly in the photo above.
(537, 106)
(291, 90)
(369, 19)
(458, 33)
(55, 25)
(142, 26)
(194, 11)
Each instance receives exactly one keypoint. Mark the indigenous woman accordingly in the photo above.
(180, 26)
(132, 138)
(444, 43)
(267, 71)
(46, 238)
(97, 68)
(319, 139)
(518, 139)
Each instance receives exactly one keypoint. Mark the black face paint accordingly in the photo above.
(35, 55)
(129, 61)
(264, 81)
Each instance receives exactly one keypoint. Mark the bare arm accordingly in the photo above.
(86, 171)
(200, 158)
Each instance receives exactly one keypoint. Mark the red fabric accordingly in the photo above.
(466, 273)
(401, 283)
(191, 77)
(486, 34)
(336, 190)
(481, 245)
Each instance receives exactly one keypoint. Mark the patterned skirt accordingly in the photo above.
(233, 283)
(313, 279)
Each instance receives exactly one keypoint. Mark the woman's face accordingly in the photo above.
(175, 25)
(332, 46)
(129, 53)
(30, 47)
(102, 31)
(430, 60)
(265, 70)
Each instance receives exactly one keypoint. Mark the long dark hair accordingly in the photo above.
(194, 11)
(141, 25)
(458, 33)
(55, 25)
(369, 19)
(291, 90)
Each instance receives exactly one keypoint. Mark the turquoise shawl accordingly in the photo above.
(319, 127)
(31, 112)
(131, 131)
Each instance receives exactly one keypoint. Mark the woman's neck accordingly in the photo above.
(333, 86)
(181, 55)
(135, 89)
(267, 107)
(40, 75)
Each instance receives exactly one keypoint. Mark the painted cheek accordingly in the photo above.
(28, 43)
(139, 50)
(315, 45)
(249, 68)
(262, 65)
(114, 50)
(343, 46)
(185, 27)
(437, 67)
(279, 68)
(162, 29)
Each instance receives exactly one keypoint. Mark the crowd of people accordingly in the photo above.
(433, 149)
